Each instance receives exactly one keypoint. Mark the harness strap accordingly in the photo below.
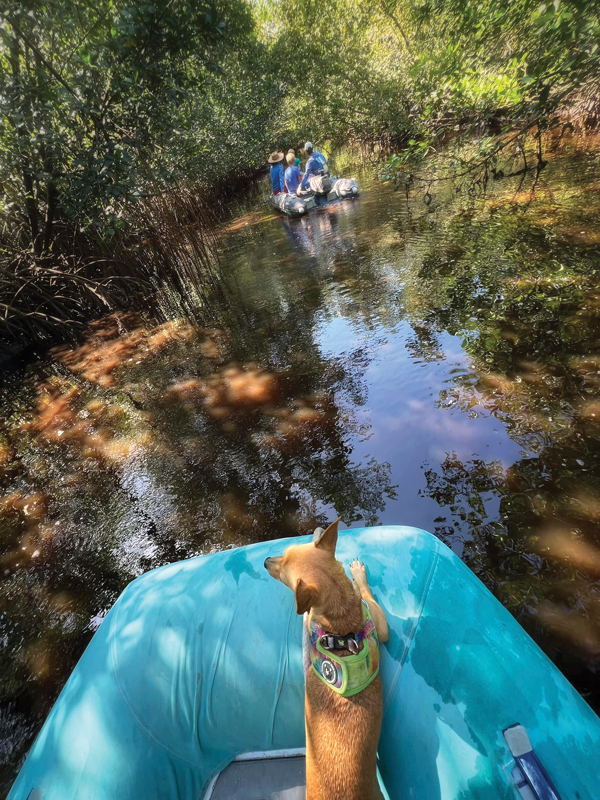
(332, 642)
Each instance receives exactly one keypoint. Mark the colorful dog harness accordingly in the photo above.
(347, 675)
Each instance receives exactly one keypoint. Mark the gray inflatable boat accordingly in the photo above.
(299, 205)
(345, 187)
(292, 205)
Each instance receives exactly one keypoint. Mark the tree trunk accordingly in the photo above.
(395, 22)
(49, 161)
(51, 202)
(30, 194)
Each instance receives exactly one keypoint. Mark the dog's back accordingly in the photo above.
(341, 742)
(343, 719)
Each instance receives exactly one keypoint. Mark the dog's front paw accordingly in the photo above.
(359, 572)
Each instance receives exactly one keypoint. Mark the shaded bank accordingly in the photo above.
(106, 112)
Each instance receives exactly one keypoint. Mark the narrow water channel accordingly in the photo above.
(385, 360)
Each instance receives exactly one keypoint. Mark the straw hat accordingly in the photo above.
(274, 158)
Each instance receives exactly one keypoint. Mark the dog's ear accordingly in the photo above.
(327, 539)
(306, 596)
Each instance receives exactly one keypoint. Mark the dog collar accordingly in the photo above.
(347, 675)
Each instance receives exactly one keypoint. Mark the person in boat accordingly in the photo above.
(277, 177)
(312, 153)
(316, 165)
(293, 175)
(297, 161)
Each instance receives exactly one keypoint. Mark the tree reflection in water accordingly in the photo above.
(526, 304)
(148, 444)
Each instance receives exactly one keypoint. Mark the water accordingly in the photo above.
(385, 360)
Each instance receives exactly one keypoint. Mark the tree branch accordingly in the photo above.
(395, 22)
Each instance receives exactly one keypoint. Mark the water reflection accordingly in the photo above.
(146, 444)
(427, 365)
(525, 303)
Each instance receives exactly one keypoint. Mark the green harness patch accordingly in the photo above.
(346, 675)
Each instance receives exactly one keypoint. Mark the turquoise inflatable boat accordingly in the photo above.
(193, 687)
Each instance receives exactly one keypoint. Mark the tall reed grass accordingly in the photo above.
(166, 254)
(583, 107)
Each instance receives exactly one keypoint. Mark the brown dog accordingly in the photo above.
(342, 733)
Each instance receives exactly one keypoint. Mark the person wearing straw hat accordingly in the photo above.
(277, 179)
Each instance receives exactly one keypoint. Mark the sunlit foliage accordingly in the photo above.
(89, 97)
(399, 68)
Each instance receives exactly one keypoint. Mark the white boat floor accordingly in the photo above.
(269, 778)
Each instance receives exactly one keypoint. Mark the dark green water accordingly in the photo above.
(384, 360)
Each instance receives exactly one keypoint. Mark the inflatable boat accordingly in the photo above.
(323, 187)
(291, 204)
(193, 687)
(345, 187)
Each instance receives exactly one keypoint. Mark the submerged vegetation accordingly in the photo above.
(104, 108)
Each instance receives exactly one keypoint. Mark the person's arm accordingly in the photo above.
(308, 172)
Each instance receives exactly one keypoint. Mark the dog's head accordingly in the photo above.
(307, 569)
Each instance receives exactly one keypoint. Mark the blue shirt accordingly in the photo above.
(292, 178)
(277, 184)
(316, 165)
